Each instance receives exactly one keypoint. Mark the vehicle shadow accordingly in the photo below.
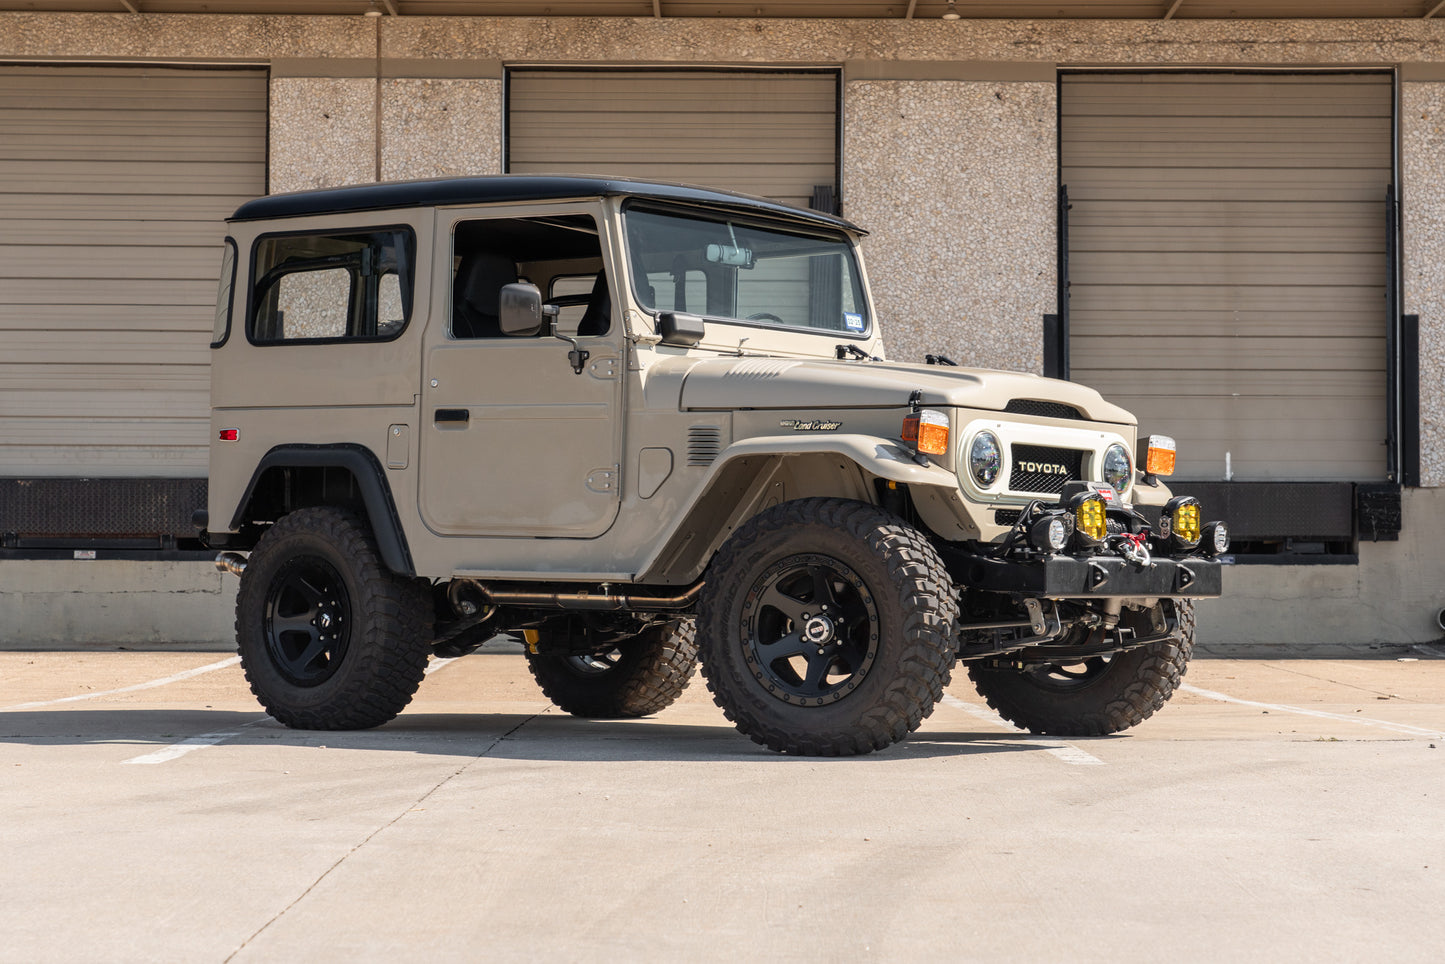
(514, 736)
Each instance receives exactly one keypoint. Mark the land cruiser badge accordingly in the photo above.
(809, 425)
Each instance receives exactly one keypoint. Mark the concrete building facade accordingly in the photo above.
(950, 140)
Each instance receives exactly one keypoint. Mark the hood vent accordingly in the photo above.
(1033, 406)
(704, 444)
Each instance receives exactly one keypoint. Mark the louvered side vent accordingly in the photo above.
(1033, 406)
(704, 443)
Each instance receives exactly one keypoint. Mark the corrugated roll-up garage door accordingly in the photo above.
(1228, 264)
(114, 183)
(769, 133)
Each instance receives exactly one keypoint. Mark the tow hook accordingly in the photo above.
(1134, 550)
(232, 562)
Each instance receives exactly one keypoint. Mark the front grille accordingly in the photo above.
(1033, 406)
(1043, 468)
(1006, 517)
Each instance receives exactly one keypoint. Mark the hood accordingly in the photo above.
(782, 383)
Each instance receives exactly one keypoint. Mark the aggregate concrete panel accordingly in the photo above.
(323, 132)
(957, 182)
(193, 37)
(1422, 210)
(674, 40)
(1290, 820)
(440, 128)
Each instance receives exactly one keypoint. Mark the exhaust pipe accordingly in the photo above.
(591, 601)
(232, 562)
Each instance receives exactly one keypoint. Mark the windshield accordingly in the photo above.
(737, 270)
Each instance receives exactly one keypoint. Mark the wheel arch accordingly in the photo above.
(297, 476)
(755, 474)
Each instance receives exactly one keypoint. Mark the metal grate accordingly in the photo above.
(1033, 406)
(1043, 468)
(1006, 517)
(704, 443)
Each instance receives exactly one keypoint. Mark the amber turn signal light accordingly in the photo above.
(1160, 455)
(926, 431)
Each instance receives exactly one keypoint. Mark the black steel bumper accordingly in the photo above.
(1063, 577)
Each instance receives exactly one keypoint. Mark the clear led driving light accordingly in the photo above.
(1215, 538)
(1050, 533)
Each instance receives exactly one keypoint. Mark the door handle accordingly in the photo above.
(453, 416)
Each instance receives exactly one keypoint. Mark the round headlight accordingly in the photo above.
(1117, 468)
(985, 458)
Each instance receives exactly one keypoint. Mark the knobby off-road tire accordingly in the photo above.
(640, 677)
(826, 628)
(330, 639)
(1093, 698)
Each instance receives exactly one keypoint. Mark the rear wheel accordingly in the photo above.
(826, 628)
(1094, 696)
(329, 638)
(639, 676)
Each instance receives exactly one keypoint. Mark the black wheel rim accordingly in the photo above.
(1066, 677)
(308, 621)
(809, 630)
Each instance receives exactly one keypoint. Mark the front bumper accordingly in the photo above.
(1091, 577)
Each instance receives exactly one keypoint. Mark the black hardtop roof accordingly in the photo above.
(511, 187)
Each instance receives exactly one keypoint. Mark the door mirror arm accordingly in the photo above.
(578, 355)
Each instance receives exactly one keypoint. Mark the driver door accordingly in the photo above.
(514, 441)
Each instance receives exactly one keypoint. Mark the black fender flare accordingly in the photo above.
(364, 466)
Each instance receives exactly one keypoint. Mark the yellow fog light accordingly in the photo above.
(1180, 521)
(1090, 519)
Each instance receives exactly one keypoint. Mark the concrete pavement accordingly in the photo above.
(1285, 810)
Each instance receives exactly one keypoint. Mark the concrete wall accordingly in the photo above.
(64, 604)
(949, 157)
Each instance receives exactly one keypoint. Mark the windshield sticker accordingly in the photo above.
(853, 321)
(814, 425)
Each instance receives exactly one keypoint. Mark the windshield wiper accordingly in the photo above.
(845, 352)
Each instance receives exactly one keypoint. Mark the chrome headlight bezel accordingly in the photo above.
(992, 465)
(1122, 469)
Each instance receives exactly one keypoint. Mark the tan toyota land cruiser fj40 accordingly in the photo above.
(642, 425)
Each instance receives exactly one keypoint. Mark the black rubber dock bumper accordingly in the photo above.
(1089, 576)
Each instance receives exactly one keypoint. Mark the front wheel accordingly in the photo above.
(1094, 696)
(826, 628)
(329, 638)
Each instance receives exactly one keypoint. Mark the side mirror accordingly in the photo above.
(680, 328)
(519, 312)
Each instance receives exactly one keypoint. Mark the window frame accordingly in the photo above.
(230, 257)
(406, 230)
(724, 216)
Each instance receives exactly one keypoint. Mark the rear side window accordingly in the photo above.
(222, 327)
(332, 287)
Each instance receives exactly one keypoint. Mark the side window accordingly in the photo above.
(490, 254)
(570, 293)
(329, 287)
(222, 328)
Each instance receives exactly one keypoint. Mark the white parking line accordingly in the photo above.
(437, 664)
(1064, 751)
(1320, 714)
(210, 667)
